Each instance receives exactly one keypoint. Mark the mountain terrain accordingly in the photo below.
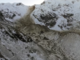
(49, 31)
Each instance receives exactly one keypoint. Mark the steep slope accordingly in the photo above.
(43, 39)
(16, 46)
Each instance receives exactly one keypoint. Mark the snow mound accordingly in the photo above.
(14, 11)
(59, 15)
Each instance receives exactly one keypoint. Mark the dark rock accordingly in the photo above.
(49, 19)
(1, 16)
(29, 39)
(18, 4)
(45, 38)
(41, 32)
(28, 55)
(67, 15)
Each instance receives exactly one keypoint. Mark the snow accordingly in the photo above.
(20, 50)
(70, 43)
(57, 11)
(14, 11)
(60, 8)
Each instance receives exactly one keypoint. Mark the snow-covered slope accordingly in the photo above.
(14, 11)
(16, 46)
(36, 41)
(13, 44)
(59, 15)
